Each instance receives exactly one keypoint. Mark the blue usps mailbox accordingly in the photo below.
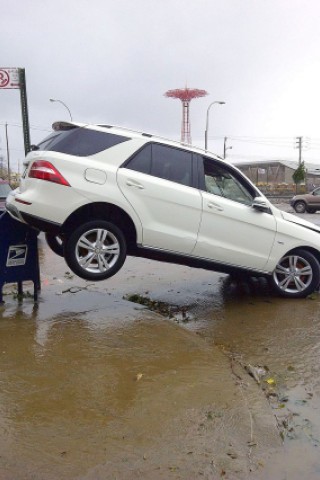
(18, 254)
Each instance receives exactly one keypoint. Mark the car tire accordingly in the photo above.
(296, 275)
(300, 207)
(55, 243)
(311, 210)
(96, 250)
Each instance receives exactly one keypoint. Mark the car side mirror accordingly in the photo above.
(260, 204)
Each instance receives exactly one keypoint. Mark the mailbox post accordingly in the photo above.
(19, 259)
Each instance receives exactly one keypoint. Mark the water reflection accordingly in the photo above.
(92, 384)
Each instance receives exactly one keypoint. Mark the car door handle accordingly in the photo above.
(131, 183)
(215, 206)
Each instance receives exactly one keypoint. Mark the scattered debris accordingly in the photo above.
(75, 289)
(270, 381)
(177, 312)
(256, 372)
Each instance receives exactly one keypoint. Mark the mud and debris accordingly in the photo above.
(162, 372)
(180, 313)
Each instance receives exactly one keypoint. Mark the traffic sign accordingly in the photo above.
(9, 78)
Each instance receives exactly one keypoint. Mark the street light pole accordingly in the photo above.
(62, 103)
(207, 123)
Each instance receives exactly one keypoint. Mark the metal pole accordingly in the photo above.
(207, 123)
(225, 148)
(24, 110)
(300, 149)
(8, 155)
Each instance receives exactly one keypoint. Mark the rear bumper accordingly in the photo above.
(41, 223)
(33, 221)
(14, 212)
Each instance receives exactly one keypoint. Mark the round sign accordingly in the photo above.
(4, 78)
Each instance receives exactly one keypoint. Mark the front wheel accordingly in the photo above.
(300, 207)
(297, 274)
(96, 250)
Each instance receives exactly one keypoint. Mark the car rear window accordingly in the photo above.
(80, 141)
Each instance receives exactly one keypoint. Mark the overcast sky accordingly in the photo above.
(111, 61)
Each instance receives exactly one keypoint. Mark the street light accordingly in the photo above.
(207, 123)
(62, 103)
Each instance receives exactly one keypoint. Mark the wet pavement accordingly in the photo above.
(94, 386)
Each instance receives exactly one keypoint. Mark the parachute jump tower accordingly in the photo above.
(185, 95)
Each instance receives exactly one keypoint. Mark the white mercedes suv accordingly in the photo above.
(106, 192)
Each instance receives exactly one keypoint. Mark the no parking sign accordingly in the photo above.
(9, 78)
(16, 78)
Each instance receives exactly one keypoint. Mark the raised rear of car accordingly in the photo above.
(74, 166)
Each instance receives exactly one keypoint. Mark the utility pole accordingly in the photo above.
(299, 146)
(225, 148)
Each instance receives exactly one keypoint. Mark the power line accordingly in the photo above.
(34, 127)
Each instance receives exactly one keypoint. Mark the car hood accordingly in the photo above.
(299, 221)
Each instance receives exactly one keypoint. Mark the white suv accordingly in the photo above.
(107, 192)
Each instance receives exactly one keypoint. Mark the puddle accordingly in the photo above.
(94, 386)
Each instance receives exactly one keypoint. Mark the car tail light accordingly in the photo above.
(46, 171)
(22, 201)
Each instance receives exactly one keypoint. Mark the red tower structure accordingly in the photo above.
(186, 95)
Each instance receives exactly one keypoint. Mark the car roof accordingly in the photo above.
(62, 125)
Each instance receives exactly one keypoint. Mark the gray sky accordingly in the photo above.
(111, 61)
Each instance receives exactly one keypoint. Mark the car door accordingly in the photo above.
(158, 183)
(313, 199)
(231, 231)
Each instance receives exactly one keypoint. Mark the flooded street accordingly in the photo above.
(225, 384)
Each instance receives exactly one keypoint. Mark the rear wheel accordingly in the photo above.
(95, 250)
(296, 275)
(300, 207)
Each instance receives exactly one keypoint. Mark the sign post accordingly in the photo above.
(24, 110)
(16, 78)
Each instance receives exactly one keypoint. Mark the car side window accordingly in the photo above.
(141, 161)
(221, 181)
(316, 192)
(171, 164)
(163, 162)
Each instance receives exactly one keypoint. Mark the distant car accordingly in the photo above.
(101, 193)
(308, 202)
(5, 189)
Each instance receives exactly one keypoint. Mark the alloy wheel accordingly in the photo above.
(97, 250)
(293, 274)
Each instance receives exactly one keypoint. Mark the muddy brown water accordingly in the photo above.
(93, 386)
